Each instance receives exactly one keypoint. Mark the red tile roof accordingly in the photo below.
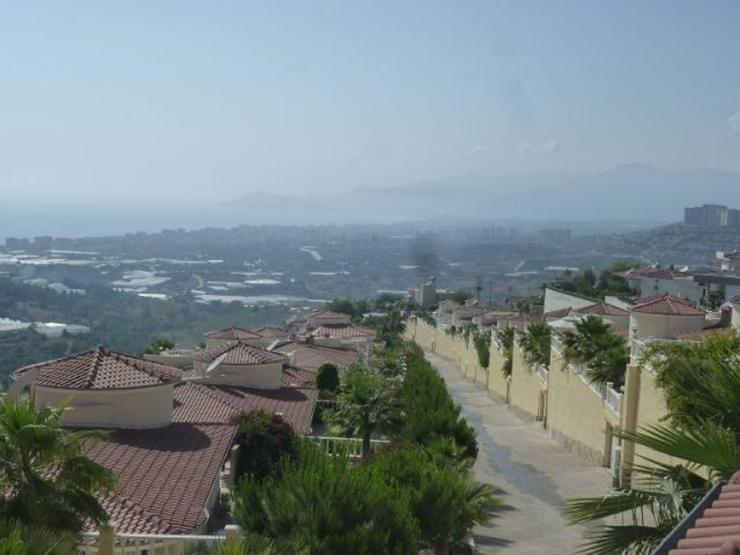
(735, 299)
(212, 404)
(311, 357)
(326, 315)
(342, 331)
(669, 305)
(268, 332)
(233, 333)
(717, 530)
(559, 313)
(603, 308)
(297, 377)
(165, 475)
(238, 354)
(102, 369)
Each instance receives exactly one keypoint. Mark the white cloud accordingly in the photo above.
(546, 148)
(477, 151)
(733, 123)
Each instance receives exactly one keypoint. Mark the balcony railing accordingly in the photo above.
(111, 543)
(613, 399)
(638, 346)
(543, 373)
(334, 445)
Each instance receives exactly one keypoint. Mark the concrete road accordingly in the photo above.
(532, 474)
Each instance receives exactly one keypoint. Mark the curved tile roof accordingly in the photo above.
(668, 305)
(603, 308)
(233, 333)
(102, 369)
(165, 475)
(214, 404)
(311, 357)
(238, 354)
(342, 330)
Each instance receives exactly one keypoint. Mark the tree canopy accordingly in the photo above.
(32, 444)
(593, 344)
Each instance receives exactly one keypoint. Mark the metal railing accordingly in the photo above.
(638, 346)
(333, 445)
(543, 373)
(613, 399)
(109, 542)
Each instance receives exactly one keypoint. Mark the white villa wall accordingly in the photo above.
(685, 288)
(142, 407)
(663, 325)
(557, 300)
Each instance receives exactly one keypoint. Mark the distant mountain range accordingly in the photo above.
(622, 199)
(627, 193)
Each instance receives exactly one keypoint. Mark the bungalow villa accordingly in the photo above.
(171, 432)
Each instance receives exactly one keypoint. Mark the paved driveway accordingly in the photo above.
(532, 473)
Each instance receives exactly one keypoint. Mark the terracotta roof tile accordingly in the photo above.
(326, 315)
(239, 354)
(233, 333)
(201, 403)
(342, 331)
(311, 357)
(669, 305)
(559, 313)
(102, 369)
(165, 475)
(717, 526)
(297, 377)
(603, 308)
(268, 332)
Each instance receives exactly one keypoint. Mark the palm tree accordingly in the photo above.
(535, 342)
(593, 344)
(48, 480)
(392, 327)
(367, 404)
(16, 539)
(444, 498)
(327, 505)
(663, 493)
(505, 338)
(700, 380)
(580, 345)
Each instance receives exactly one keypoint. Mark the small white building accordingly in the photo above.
(658, 281)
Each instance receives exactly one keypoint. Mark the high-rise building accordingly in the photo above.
(712, 215)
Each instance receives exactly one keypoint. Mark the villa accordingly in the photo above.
(171, 433)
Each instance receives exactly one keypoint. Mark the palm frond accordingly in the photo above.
(615, 540)
(586, 509)
(705, 444)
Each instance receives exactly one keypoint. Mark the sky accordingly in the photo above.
(210, 100)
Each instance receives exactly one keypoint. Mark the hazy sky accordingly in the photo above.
(212, 99)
